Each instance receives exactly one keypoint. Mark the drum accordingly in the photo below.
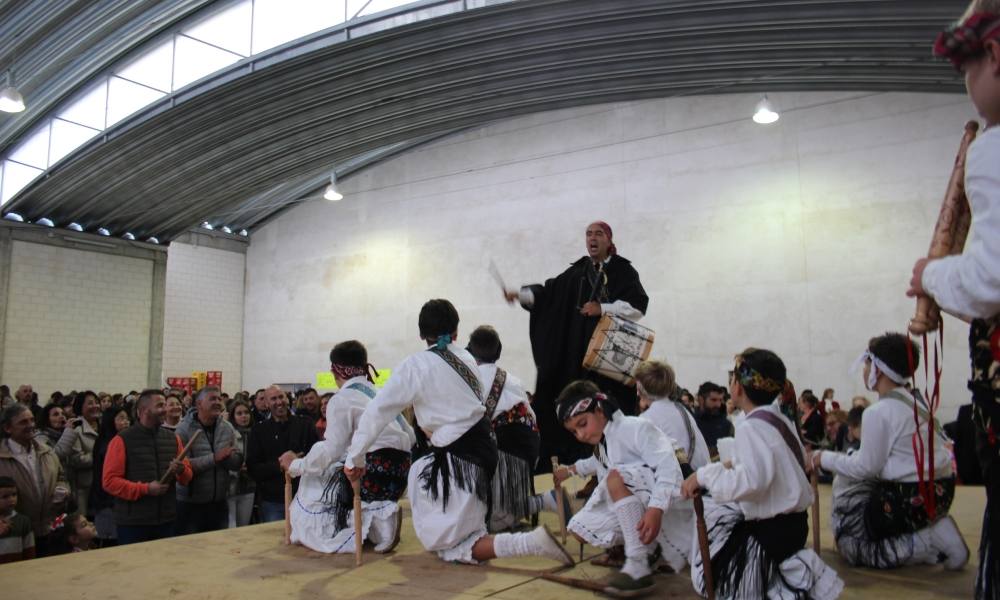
(617, 347)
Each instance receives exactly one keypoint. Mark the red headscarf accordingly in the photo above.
(607, 232)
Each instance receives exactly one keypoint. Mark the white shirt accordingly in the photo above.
(343, 412)
(444, 404)
(29, 460)
(668, 416)
(968, 284)
(765, 479)
(512, 393)
(886, 451)
(633, 441)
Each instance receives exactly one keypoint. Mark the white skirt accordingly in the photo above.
(450, 533)
(803, 570)
(597, 522)
(314, 524)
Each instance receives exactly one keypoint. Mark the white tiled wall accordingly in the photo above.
(203, 320)
(798, 236)
(76, 320)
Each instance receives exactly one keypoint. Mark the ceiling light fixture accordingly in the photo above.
(226, 229)
(75, 227)
(12, 216)
(152, 240)
(765, 112)
(128, 236)
(11, 100)
(45, 222)
(103, 231)
(244, 232)
(207, 225)
(332, 193)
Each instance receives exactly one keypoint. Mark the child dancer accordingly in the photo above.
(516, 431)
(638, 476)
(323, 505)
(756, 515)
(968, 285)
(71, 533)
(879, 518)
(449, 488)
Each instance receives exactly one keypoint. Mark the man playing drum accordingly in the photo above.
(564, 313)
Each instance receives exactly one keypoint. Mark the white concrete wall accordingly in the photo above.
(203, 314)
(798, 236)
(76, 320)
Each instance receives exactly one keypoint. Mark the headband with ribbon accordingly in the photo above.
(754, 380)
(589, 404)
(966, 39)
(346, 372)
(879, 367)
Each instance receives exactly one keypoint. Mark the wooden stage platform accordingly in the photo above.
(252, 562)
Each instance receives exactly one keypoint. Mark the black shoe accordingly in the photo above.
(624, 586)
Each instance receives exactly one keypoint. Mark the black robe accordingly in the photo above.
(559, 339)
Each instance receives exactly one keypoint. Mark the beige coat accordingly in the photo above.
(40, 509)
(76, 451)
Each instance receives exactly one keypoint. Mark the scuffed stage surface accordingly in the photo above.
(252, 562)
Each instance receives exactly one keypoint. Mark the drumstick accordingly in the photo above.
(358, 536)
(183, 453)
(495, 273)
(814, 481)
(560, 508)
(288, 508)
(706, 556)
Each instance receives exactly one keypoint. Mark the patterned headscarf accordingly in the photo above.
(752, 379)
(607, 231)
(346, 372)
(966, 39)
(567, 410)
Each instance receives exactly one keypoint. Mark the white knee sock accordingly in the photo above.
(533, 543)
(629, 511)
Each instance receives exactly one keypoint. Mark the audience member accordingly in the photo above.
(280, 433)
(50, 429)
(35, 469)
(307, 404)
(810, 421)
(5, 398)
(241, 486)
(100, 503)
(861, 401)
(854, 417)
(712, 419)
(76, 447)
(259, 410)
(27, 396)
(136, 460)
(17, 540)
(72, 533)
(174, 412)
(202, 502)
(836, 431)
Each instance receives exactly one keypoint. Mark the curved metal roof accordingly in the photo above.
(272, 126)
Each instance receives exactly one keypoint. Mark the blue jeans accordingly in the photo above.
(271, 511)
(131, 534)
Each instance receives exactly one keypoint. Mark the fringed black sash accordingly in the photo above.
(474, 458)
(385, 479)
(519, 447)
(753, 554)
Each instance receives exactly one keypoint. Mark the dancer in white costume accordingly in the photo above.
(880, 515)
(638, 478)
(756, 512)
(322, 510)
(449, 487)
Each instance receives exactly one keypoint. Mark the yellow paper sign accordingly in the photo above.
(325, 381)
(383, 376)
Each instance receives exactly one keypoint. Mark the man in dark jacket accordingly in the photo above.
(137, 459)
(202, 505)
(711, 419)
(280, 433)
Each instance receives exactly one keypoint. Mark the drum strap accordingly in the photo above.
(786, 434)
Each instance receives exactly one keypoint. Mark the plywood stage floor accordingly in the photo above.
(252, 562)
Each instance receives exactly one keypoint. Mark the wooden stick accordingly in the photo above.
(560, 493)
(814, 481)
(706, 555)
(359, 539)
(288, 508)
(184, 451)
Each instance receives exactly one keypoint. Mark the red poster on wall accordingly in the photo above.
(213, 378)
(183, 383)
